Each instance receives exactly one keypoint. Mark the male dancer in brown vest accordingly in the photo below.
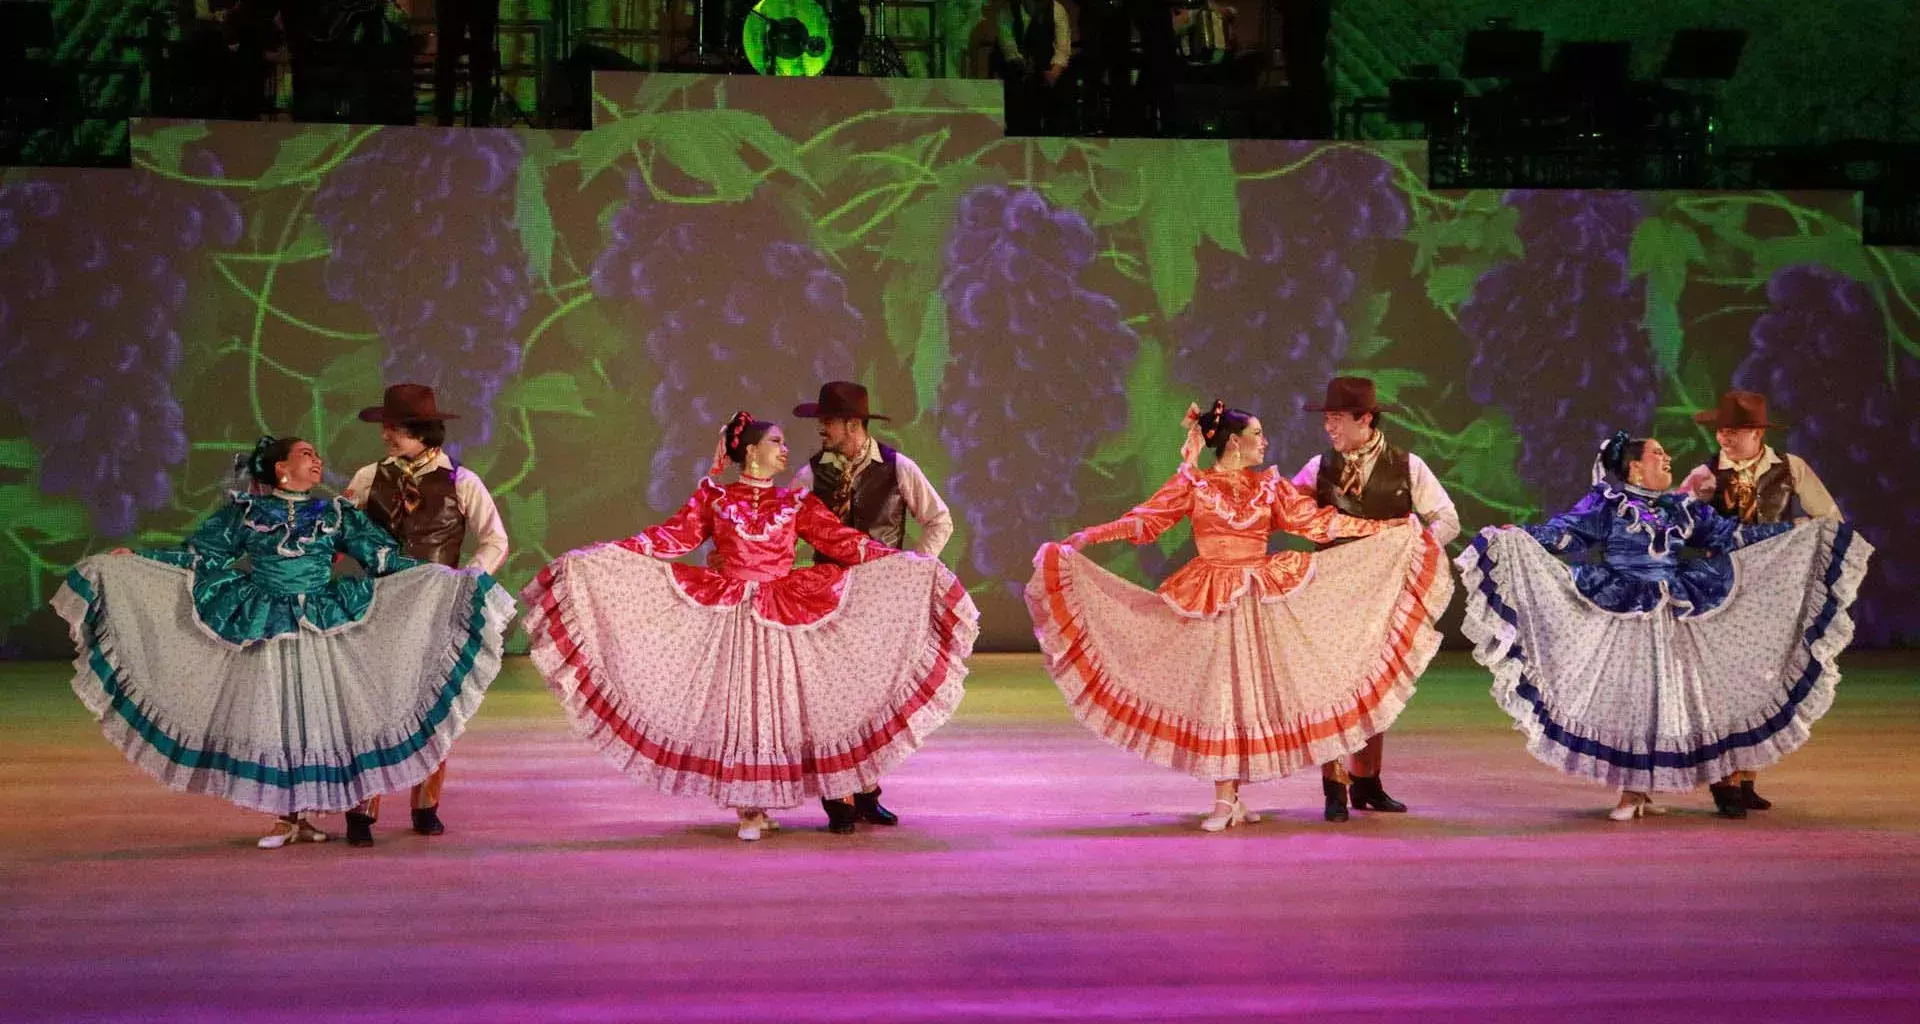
(1751, 482)
(1362, 475)
(873, 489)
(430, 505)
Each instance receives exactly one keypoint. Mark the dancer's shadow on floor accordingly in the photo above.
(1293, 823)
(1276, 824)
(469, 843)
(802, 836)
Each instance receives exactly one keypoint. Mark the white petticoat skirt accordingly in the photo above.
(312, 721)
(1654, 701)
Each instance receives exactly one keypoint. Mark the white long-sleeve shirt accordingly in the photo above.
(1431, 502)
(476, 504)
(923, 503)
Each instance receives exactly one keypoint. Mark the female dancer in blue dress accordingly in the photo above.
(1644, 670)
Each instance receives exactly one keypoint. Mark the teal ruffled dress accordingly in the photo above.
(238, 666)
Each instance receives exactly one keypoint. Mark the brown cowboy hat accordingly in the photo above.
(840, 400)
(1737, 410)
(1349, 394)
(406, 403)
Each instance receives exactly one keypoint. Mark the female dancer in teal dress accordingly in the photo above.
(281, 688)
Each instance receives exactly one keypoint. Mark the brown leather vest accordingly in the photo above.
(434, 531)
(1773, 492)
(873, 504)
(1388, 493)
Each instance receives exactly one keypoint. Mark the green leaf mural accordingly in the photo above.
(868, 178)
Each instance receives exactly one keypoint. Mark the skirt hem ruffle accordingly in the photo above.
(249, 778)
(1167, 738)
(1630, 762)
(889, 737)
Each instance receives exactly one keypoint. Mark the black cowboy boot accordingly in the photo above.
(1369, 795)
(1753, 800)
(841, 816)
(1726, 798)
(359, 829)
(868, 804)
(426, 821)
(1336, 799)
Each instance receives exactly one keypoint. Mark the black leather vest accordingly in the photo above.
(433, 531)
(872, 504)
(1388, 493)
(1773, 492)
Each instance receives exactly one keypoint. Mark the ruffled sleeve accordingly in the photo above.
(1717, 533)
(819, 527)
(365, 542)
(1294, 511)
(684, 530)
(1572, 532)
(213, 547)
(1151, 518)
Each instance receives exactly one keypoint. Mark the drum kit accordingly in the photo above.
(814, 37)
(786, 37)
(798, 37)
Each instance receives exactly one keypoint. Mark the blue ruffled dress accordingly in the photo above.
(1639, 536)
(237, 665)
(1650, 668)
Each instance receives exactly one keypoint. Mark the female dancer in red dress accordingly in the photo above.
(746, 680)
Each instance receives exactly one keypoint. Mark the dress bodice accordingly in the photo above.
(1638, 537)
(754, 530)
(1233, 513)
(289, 541)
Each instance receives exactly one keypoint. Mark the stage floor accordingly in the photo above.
(1040, 875)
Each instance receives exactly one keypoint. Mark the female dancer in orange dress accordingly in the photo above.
(1245, 665)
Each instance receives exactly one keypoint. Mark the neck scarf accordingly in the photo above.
(1353, 464)
(1743, 492)
(411, 470)
(841, 500)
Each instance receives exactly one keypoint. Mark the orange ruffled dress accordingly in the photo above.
(1244, 665)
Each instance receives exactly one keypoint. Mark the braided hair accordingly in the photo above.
(743, 432)
(1620, 451)
(260, 467)
(1220, 424)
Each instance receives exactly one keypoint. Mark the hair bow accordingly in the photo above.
(1190, 448)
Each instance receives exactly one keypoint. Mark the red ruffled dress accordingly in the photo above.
(1244, 665)
(747, 680)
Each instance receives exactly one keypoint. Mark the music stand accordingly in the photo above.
(1590, 67)
(24, 25)
(1704, 54)
(1427, 101)
(1502, 53)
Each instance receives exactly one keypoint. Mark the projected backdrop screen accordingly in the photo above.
(1034, 315)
